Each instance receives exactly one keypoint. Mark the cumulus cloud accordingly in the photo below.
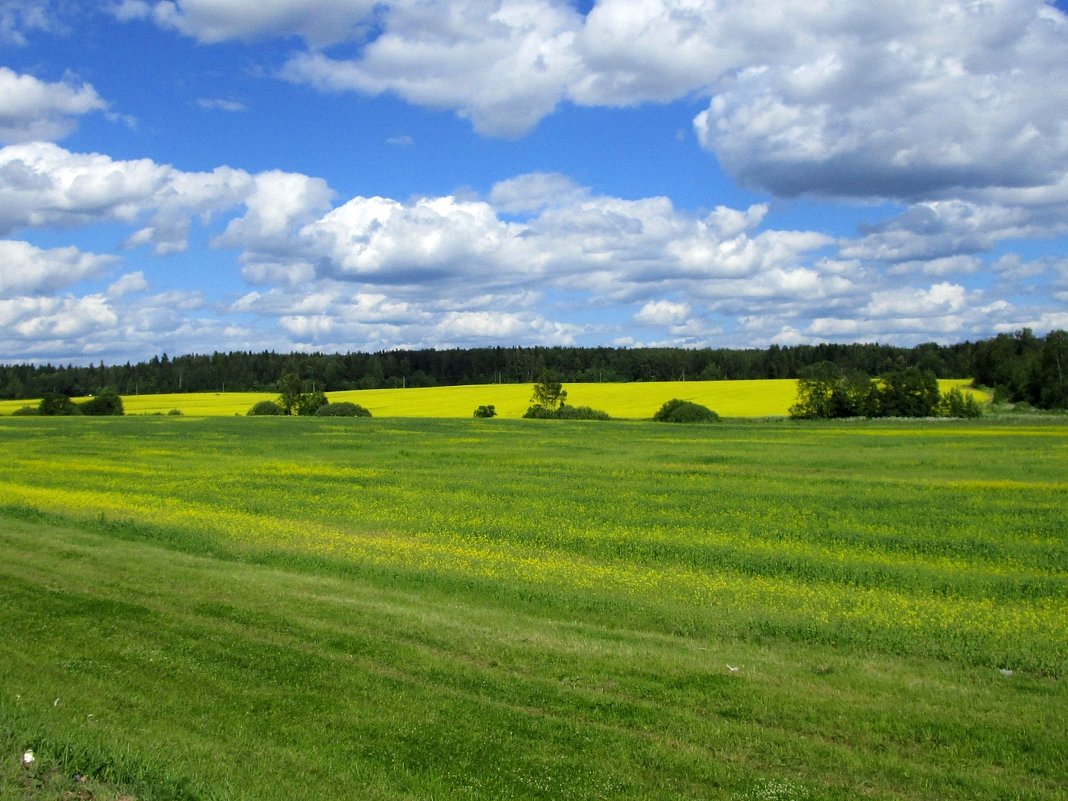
(907, 100)
(46, 320)
(42, 184)
(32, 109)
(504, 64)
(898, 100)
(277, 203)
(380, 240)
(128, 284)
(662, 312)
(613, 247)
(534, 261)
(535, 191)
(29, 270)
(321, 22)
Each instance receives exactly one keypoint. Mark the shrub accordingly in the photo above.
(565, 412)
(309, 403)
(681, 411)
(25, 411)
(342, 409)
(105, 402)
(486, 411)
(175, 413)
(957, 404)
(266, 407)
(55, 404)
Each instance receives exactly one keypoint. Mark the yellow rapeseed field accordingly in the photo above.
(640, 400)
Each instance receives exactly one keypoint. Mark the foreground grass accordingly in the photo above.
(495, 609)
(636, 401)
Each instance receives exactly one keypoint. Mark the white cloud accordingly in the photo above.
(220, 104)
(504, 64)
(40, 320)
(496, 326)
(29, 270)
(940, 299)
(31, 109)
(277, 203)
(662, 312)
(43, 185)
(321, 22)
(379, 240)
(936, 230)
(19, 17)
(128, 284)
(534, 192)
(896, 99)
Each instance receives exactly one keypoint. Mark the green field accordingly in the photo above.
(389, 608)
(638, 400)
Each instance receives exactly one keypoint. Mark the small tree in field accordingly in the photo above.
(486, 411)
(958, 404)
(549, 393)
(289, 391)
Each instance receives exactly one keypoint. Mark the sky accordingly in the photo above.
(191, 176)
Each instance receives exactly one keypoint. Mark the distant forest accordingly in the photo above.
(1019, 366)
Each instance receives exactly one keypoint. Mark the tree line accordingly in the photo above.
(1019, 366)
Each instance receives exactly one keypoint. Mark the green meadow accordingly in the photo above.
(400, 608)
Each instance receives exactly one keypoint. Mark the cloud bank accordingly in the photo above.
(946, 117)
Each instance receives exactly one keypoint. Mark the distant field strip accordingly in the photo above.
(767, 398)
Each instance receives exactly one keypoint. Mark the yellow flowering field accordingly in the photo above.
(765, 398)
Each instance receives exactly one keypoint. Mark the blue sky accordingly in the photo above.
(336, 175)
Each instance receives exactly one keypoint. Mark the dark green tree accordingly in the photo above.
(818, 392)
(290, 388)
(1049, 386)
(308, 403)
(958, 404)
(549, 393)
(105, 402)
(911, 392)
(56, 404)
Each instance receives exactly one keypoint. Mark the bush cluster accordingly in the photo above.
(565, 412)
(486, 411)
(342, 409)
(265, 408)
(824, 392)
(681, 411)
(56, 404)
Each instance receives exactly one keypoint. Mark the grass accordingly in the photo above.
(765, 398)
(400, 609)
